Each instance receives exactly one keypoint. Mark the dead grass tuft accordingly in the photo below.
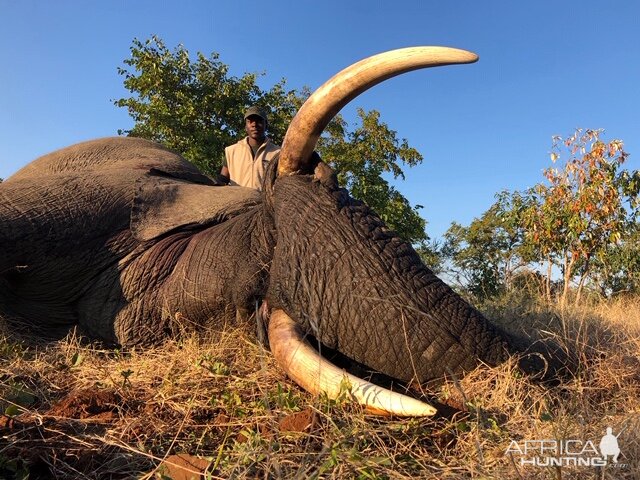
(76, 410)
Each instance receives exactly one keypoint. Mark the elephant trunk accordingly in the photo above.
(361, 290)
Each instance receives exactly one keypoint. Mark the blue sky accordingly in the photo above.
(545, 68)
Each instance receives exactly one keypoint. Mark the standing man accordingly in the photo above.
(244, 162)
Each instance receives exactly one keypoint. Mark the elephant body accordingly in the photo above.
(132, 243)
(103, 235)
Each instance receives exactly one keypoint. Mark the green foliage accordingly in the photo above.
(486, 254)
(583, 222)
(11, 349)
(196, 108)
(431, 255)
(213, 365)
(77, 359)
(286, 399)
(616, 269)
(14, 468)
(362, 156)
(15, 396)
(126, 375)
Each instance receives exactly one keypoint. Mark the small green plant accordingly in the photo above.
(125, 377)
(11, 349)
(15, 397)
(76, 359)
(249, 449)
(288, 400)
(13, 468)
(213, 366)
(332, 461)
(230, 401)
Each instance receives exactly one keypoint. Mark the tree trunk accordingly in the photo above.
(547, 283)
(567, 274)
(583, 278)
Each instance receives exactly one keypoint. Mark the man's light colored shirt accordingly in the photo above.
(245, 169)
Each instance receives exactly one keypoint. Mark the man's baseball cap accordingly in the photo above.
(255, 111)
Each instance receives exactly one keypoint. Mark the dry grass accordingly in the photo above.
(77, 411)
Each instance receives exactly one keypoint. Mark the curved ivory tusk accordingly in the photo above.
(315, 374)
(308, 124)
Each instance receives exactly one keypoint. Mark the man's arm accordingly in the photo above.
(224, 172)
(224, 176)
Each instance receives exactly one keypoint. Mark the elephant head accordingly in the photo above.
(126, 239)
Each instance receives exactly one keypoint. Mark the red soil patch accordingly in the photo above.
(184, 467)
(298, 422)
(88, 404)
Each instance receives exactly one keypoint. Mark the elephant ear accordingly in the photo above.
(163, 203)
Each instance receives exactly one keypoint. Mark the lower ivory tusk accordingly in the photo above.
(316, 375)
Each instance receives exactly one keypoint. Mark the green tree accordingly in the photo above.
(430, 251)
(362, 156)
(486, 254)
(616, 269)
(196, 108)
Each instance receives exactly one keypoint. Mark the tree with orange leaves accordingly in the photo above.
(585, 208)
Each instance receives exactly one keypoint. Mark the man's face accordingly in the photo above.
(255, 127)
